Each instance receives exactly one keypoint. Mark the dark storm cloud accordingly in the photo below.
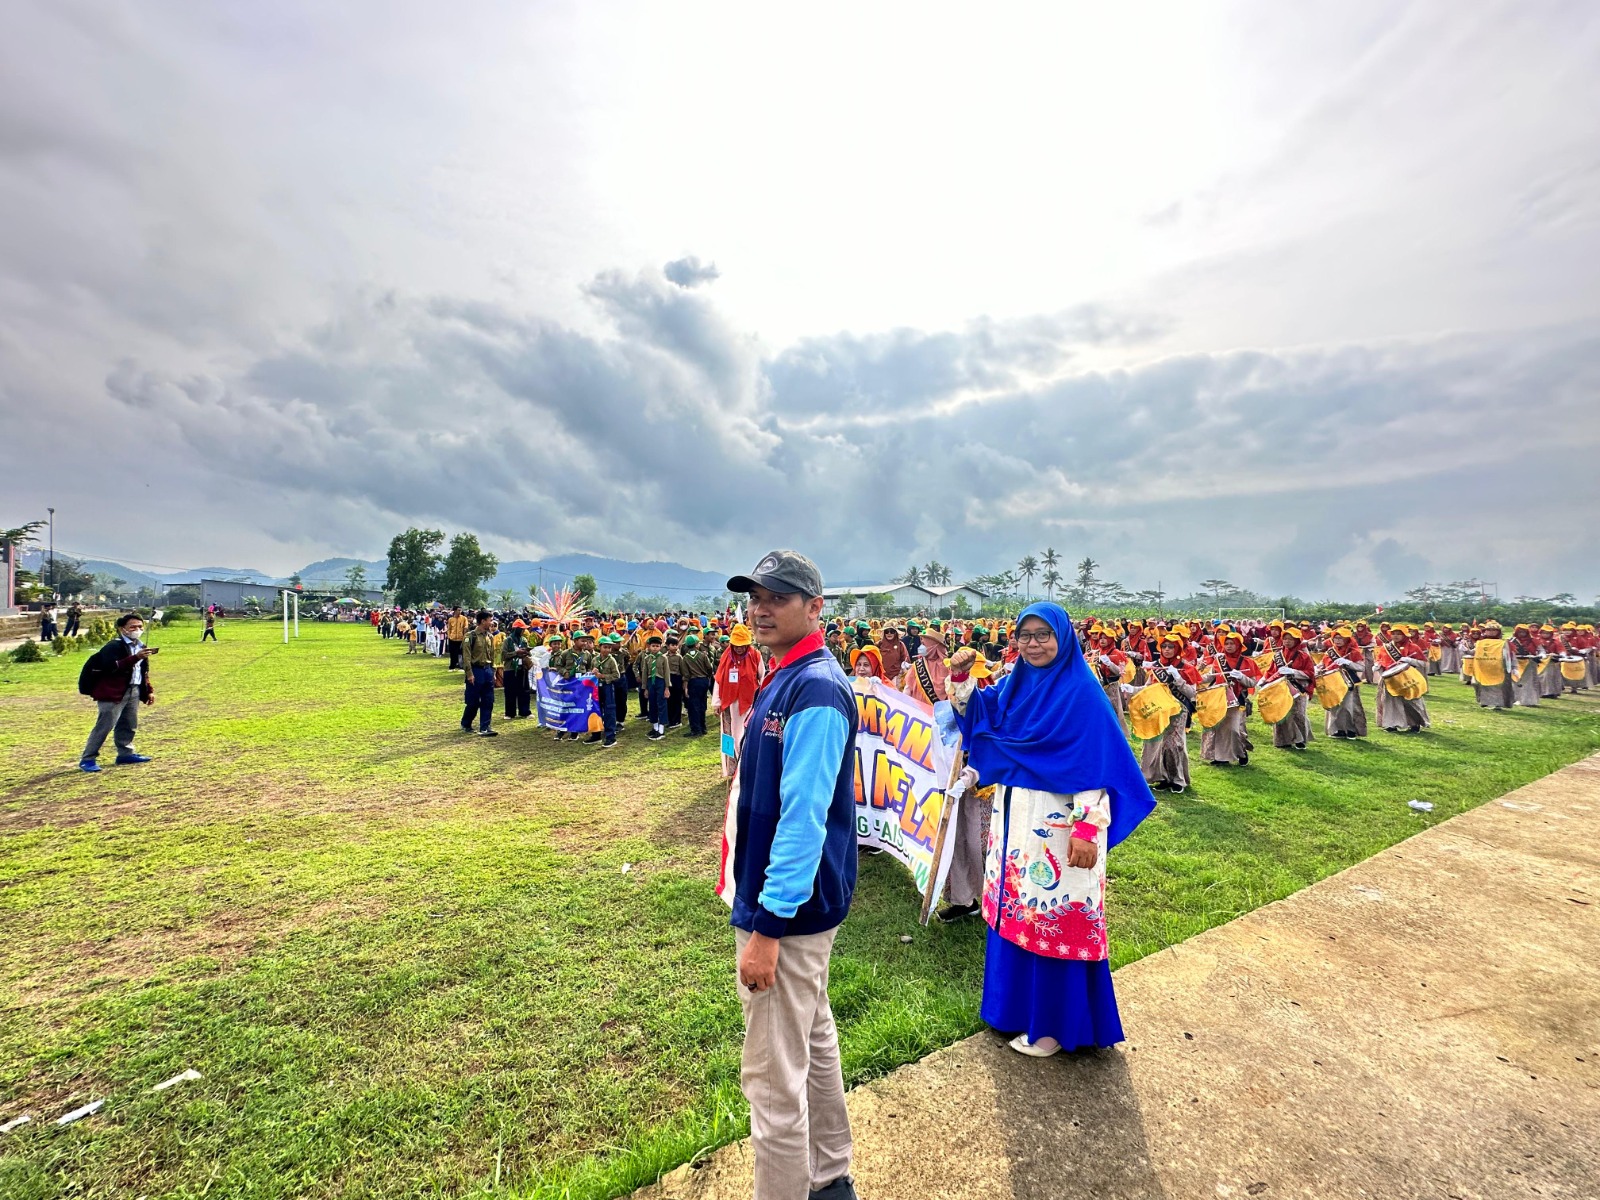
(690, 272)
(1318, 471)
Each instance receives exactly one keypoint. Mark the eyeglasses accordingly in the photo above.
(1037, 635)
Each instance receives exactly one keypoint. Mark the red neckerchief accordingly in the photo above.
(809, 644)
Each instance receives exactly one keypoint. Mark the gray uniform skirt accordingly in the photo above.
(1295, 729)
(1527, 689)
(1228, 740)
(1350, 718)
(1166, 759)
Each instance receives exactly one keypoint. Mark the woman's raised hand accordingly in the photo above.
(961, 664)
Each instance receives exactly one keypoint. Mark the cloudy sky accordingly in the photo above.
(1305, 296)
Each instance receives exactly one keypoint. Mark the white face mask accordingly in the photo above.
(133, 635)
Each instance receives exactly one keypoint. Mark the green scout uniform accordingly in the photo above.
(653, 665)
(479, 649)
(697, 663)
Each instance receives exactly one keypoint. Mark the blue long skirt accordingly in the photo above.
(1066, 999)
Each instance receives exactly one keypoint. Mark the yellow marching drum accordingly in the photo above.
(1332, 688)
(1151, 709)
(1574, 669)
(1406, 683)
(1488, 662)
(1129, 670)
(1211, 706)
(1435, 653)
(1274, 701)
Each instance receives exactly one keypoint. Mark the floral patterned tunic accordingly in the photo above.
(1041, 904)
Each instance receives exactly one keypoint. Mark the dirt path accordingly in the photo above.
(1424, 1024)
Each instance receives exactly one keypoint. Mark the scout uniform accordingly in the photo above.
(655, 679)
(608, 670)
(698, 670)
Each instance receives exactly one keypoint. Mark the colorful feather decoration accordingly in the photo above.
(564, 604)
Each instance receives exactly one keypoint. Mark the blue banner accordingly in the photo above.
(567, 704)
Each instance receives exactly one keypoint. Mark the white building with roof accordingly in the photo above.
(945, 597)
(901, 595)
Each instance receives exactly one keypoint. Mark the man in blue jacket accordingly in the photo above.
(794, 872)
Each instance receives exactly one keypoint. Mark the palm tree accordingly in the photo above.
(22, 535)
(913, 576)
(1027, 568)
(1051, 580)
(1049, 560)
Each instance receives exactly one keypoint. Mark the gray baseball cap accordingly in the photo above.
(784, 571)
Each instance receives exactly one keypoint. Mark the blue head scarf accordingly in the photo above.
(1050, 729)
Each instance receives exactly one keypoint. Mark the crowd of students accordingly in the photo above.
(1163, 677)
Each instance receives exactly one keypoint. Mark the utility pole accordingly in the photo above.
(52, 513)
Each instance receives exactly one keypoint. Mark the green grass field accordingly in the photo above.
(409, 962)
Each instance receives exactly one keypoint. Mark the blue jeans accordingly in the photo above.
(656, 689)
(699, 693)
(480, 697)
(608, 707)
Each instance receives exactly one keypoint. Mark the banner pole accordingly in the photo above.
(957, 763)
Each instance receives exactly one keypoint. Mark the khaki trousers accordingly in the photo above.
(799, 1128)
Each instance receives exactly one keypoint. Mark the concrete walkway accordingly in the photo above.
(1424, 1024)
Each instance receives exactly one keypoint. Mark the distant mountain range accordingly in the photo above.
(614, 576)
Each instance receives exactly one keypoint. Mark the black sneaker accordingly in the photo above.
(466, 729)
(654, 736)
(608, 745)
(676, 725)
(842, 1188)
(593, 739)
(1244, 760)
(488, 733)
(951, 913)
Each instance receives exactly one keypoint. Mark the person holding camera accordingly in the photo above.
(117, 677)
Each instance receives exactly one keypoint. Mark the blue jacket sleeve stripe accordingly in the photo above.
(813, 747)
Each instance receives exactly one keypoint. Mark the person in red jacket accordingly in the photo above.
(1295, 665)
(1165, 759)
(739, 675)
(117, 676)
(1108, 663)
(1229, 740)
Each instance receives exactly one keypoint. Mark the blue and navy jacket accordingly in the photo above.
(794, 858)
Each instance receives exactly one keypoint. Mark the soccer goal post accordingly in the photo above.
(1249, 614)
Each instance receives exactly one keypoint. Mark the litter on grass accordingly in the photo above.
(180, 1077)
(1420, 806)
(626, 867)
(905, 937)
(15, 1123)
(78, 1114)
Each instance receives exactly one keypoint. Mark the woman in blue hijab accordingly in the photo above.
(1068, 789)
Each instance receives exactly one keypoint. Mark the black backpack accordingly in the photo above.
(89, 676)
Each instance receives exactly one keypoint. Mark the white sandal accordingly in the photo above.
(1022, 1045)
